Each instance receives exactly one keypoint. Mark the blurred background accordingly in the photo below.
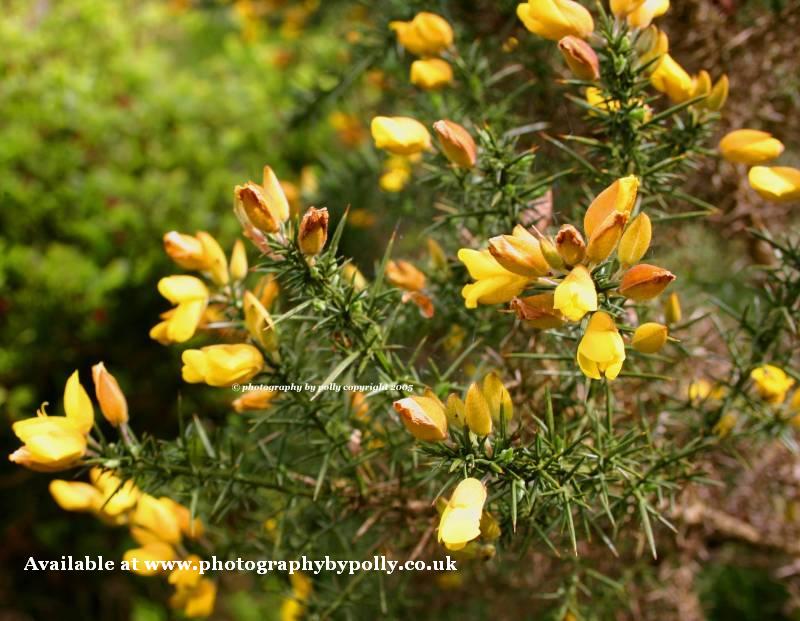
(122, 120)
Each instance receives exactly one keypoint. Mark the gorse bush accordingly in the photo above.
(515, 386)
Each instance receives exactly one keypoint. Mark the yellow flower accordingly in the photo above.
(772, 383)
(702, 389)
(644, 282)
(424, 417)
(238, 265)
(555, 19)
(750, 146)
(519, 253)
(186, 250)
(259, 322)
(622, 8)
(495, 284)
(497, 397)
(605, 237)
(254, 400)
(191, 297)
(221, 365)
(478, 414)
(537, 311)
(619, 197)
(670, 78)
(646, 12)
(186, 578)
(635, 240)
(649, 338)
(431, 73)
(570, 245)
(725, 424)
(580, 57)
(396, 174)
(50, 443)
(461, 518)
(263, 206)
(75, 495)
(313, 231)
(428, 34)
(112, 400)
(455, 411)
(197, 600)
(456, 142)
(154, 520)
(601, 351)
(400, 135)
(652, 45)
(354, 277)
(118, 497)
(404, 275)
(780, 184)
(153, 551)
(576, 295)
(596, 98)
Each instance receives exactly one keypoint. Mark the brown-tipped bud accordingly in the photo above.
(537, 311)
(313, 231)
(423, 417)
(456, 143)
(635, 240)
(404, 275)
(570, 245)
(110, 396)
(580, 57)
(251, 198)
(644, 282)
(606, 237)
(185, 250)
(550, 253)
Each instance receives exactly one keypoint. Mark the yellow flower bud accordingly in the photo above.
(601, 351)
(153, 551)
(238, 266)
(438, 258)
(772, 383)
(221, 365)
(404, 275)
(259, 323)
(537, 311)
(153, 520)
(431, 73)
(702, 84)
(644, 282)
(780, 184)
(461, 518)
(455, 411)
(185, 250)
(490, 527)
(313, 231)
(456, 143)
(77, 404)
(497, 397)
(550, 253)
(215, 258)
(718, 95)
(570, 245)
(479, 417)
(725, 424)
(519, 253)
(112, 401)
(75, 495)
(672, 309)
(576, 294)
(620, 196)
(750, 146)
(354, 277)
(673, 80)
(649, 338)
(652, 45)
(635, 240)
(254, 400)
(424, 418)
(400, 135)
(580, 57)
(555, 19)
(428, 34)
(606, 237)
(646, 12)
(494, 284)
